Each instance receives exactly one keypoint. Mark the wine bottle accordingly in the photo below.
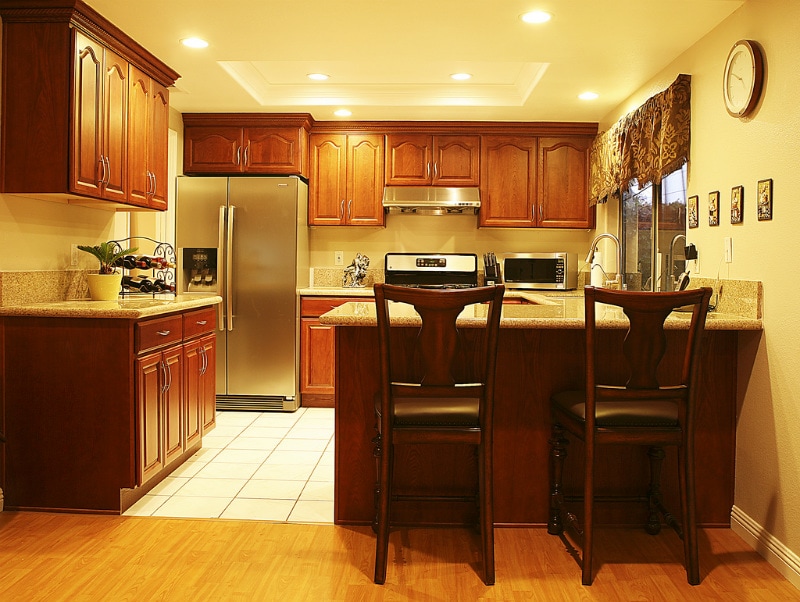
(138, 283)
(128, 262)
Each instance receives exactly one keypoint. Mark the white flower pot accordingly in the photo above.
(104, 287)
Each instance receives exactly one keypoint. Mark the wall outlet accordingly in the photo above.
(73, 254)
(338, 258)
(728, 249)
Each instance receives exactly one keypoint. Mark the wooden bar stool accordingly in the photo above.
(446, 398)
(641, 411)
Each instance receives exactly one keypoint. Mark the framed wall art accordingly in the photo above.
(713, 208)
(692, 211)
(737, 204)
(764, 208)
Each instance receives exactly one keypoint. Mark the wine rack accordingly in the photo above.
(154, 272)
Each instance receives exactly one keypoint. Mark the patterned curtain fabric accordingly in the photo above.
(645, 145)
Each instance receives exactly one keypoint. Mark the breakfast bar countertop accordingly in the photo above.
(530, 310)
(129, 308)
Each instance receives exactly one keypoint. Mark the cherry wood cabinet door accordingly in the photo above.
(87, 138)
(272, 150)
(508, 187)
(139, 93)
(158, 145)
(212, 149)
(408, 159)
(364, 206)
(317, 365)
(193, 362)
(456, 160)
(208, 384)
(149, 416)
(173, 403)
(563, 183)
(327, 185)
(115, 127)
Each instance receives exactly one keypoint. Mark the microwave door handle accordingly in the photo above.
(221, 265)
(229, 267)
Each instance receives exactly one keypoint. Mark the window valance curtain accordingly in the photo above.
(645, 145)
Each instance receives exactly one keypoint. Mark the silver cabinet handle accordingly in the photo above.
(163, 333)
(165, 383)
(238, 155)
(435, 171)
(428, 170)
(102, 177)
(541, 214)
(204, 363)
(341, 210)
(247, 153)
(349, 207)
(201, 322)
(108, 171)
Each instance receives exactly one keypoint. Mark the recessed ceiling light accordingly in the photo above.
(342, 113)
(320, 77)
(194, 43)
(460, 76)
(536, 16)
(588, 95)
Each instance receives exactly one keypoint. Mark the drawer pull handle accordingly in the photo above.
(201, 322)
(163, 333)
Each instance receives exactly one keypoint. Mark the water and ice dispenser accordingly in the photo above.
(199, 269)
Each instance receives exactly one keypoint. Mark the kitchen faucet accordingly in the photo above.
(593, 248)
(670, 260)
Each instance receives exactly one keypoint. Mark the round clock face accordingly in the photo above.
(742, 78)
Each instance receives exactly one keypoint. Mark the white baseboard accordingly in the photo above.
(775, 552)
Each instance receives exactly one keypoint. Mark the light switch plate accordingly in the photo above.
(728, 249)
(338, 258)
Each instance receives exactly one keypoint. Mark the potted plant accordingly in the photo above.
(105, 285)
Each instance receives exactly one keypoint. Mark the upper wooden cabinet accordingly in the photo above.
(528, 181)
(443, 160)
(68, 80)
(148, 126)
(245, 143)
(346, 180)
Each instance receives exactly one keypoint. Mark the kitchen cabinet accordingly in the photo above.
(66, 116)
(318, 351)
(219, 144)
(346, 181)
(563, 183)
(100, 121)
(530, 181)
(508, 181)
(440, 160)
(98, 410)
(148, 128)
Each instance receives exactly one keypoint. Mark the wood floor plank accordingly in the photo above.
(58, 557)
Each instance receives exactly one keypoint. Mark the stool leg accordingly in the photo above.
(686, 474)
(384, 449)
(486, 511)
(558, 451)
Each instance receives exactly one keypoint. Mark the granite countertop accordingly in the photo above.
(533, 310)
(336, 291)
(128, 307)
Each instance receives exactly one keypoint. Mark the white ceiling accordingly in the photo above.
(391, 59)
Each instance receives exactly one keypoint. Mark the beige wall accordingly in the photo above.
(728, 152)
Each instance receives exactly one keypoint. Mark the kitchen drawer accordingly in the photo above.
(199, 322)
(158, 332)
(313, 307)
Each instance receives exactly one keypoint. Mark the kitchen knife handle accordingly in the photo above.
(223, 251)
(229, 267)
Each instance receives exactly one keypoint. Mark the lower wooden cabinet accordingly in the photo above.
(318, 351)
(97, 410)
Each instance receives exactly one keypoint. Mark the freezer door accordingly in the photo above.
(263, 333)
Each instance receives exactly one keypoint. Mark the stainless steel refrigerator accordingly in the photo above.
(246, 239)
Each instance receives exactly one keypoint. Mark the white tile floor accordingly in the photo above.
(260, 466)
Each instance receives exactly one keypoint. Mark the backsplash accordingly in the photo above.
(42, 286)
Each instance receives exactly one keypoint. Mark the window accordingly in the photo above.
(653, 241)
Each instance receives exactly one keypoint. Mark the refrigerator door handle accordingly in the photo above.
(229, 267)
(221, 265)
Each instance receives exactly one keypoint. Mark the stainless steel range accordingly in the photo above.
(432, 270)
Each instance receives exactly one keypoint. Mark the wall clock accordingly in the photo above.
(743, 78)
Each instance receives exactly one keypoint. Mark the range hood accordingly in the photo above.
(431, 200)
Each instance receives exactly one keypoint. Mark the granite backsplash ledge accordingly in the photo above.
(42, 286)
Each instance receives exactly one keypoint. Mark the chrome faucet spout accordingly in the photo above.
(593, 248)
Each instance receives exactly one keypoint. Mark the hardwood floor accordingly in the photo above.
(79, 557)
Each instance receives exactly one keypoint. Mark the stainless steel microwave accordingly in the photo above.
(545, 271)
